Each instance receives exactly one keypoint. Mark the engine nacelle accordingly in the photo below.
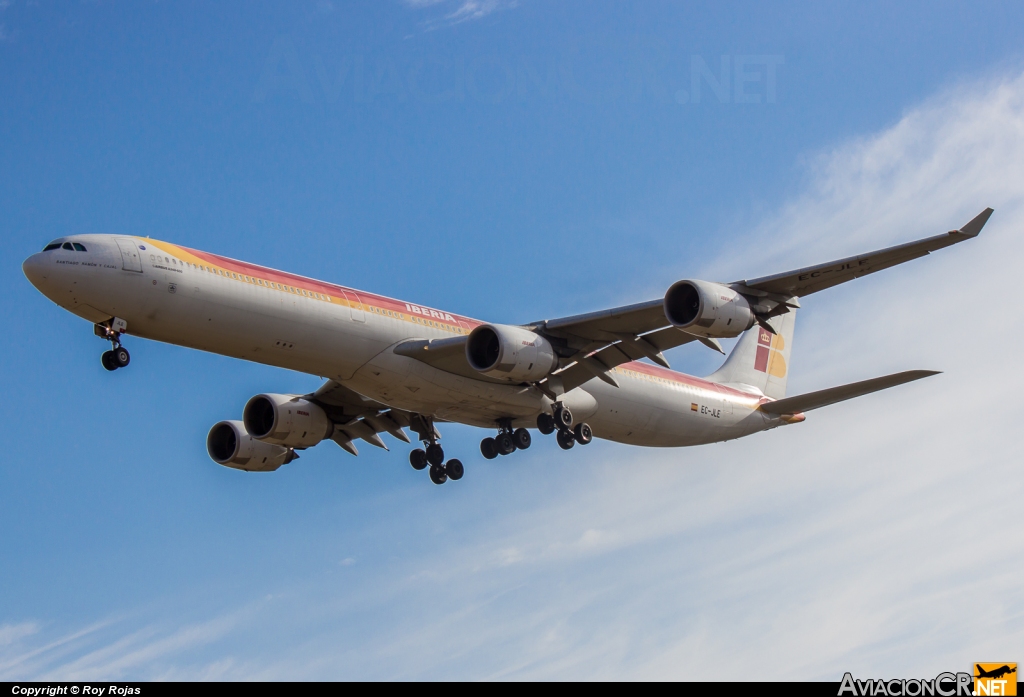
(286, 419)
(230, 445)
(708, 309)
(511, 353)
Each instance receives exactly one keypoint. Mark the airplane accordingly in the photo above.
(995, 673)
(393, 365)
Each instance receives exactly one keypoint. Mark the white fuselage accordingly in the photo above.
(203, 301)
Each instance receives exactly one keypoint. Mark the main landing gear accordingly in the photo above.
(432, 456)
(506, 442)
(560, 420)
(117, 356)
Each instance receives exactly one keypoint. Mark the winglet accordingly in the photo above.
(972, 228)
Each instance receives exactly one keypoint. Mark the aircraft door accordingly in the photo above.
(130, 258)
(355, 305)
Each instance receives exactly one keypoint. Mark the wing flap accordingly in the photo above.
(823, 398)
(357, 417)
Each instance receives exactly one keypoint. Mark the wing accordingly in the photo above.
(607, 325)
(590, 345)
(814, 278)
(356, 417)
(599, 341)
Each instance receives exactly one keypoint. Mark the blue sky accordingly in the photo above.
(514, 161)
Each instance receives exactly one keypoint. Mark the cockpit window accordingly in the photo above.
(51, 246)
(78, 247)
(67, 245)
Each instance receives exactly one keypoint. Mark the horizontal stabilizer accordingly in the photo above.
(823, 398)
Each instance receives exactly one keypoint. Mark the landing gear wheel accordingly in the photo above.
(488, 448)
(583, 434)
(418, 459)
(506, 446)
(107, 359)
(546, 424)
(437, 474)
(565, 440)
(563, 418)
(454, 470)
(521, 437)
(435, 455)
(121, 357)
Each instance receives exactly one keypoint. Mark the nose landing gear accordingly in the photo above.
(117, 356)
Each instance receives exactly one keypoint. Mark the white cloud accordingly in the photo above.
(881, 536)
(463, 10)
(12, 633)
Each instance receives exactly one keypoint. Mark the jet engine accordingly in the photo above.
(708, 309)
(512, 353)
(287, 420)
(230, 445)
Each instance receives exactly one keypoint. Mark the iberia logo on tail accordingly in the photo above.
(769, 358)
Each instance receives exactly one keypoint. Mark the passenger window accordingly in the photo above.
(67, 245)
(78, 247)
(50, 247)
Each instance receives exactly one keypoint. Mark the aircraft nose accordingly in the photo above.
(35, 270)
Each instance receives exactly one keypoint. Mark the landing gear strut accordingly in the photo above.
(117, 356)
(432, 454)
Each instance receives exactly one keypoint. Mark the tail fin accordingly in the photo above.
(761, 359)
